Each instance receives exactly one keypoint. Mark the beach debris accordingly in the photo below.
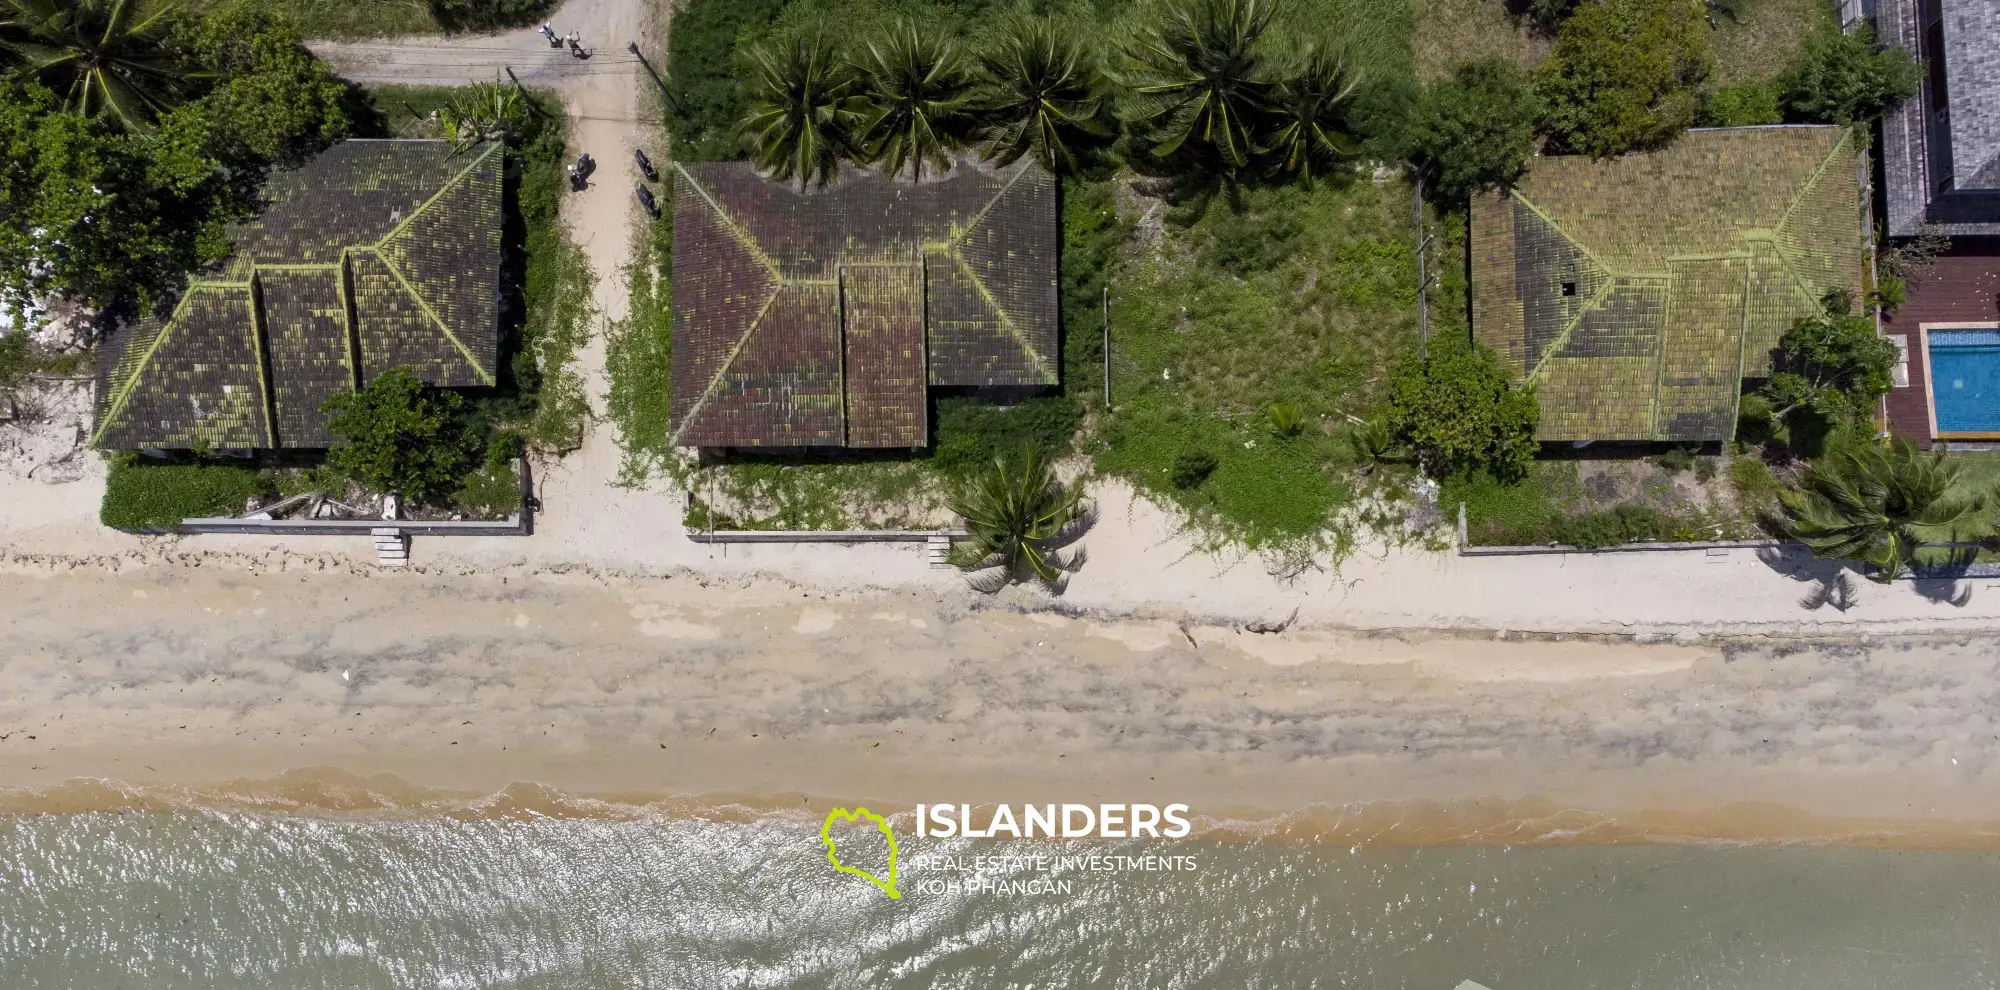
(346, 676)
(1265, 628)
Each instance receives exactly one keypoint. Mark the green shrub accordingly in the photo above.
(400, 435)
(143, 496)
(1457, 408)
(483, 15)
(1286, 418)
(1595, 530)
(492, 492)
(1756, 487)
(1244, 244)
(1192, 468)
(1745, 105)
(1844, 78)
(1625, 75)
(1679, 460)
(971, 432)
(1475, 128)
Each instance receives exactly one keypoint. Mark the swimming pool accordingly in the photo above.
(1965, 380)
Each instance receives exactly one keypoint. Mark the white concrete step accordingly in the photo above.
(935, 549)
(392, 548)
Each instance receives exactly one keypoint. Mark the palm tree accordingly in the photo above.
(1200, 78)
(1877, 503)
(802, 115)
(1016, 514)
(919, 100)
(1039, 85)
(103, 57)
(1309, 114)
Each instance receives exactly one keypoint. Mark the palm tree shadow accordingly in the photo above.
(1943, 582)
(1832, 580)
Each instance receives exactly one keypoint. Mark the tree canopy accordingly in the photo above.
(1475, 127)
(1843, 78)
(96, 209)
(1625, 75)
(400, 435)
(1880, 503)
(802, 115)
(108, 58)
(1456, 408)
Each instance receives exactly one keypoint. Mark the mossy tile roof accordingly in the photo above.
(848, 301)
(375, 255)
(1636, 293)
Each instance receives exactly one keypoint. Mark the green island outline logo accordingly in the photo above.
(833, 856)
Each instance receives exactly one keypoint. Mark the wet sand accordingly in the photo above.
(175, 681)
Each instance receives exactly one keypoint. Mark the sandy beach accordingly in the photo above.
(209, 684)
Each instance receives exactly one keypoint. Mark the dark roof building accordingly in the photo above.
(376, 255)
(821, 317)
(1941, 149)
(1637, 293)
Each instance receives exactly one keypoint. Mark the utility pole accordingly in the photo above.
(1423, 273)
(672, 104)
(1107, 348)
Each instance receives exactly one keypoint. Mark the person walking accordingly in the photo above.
(550, 33)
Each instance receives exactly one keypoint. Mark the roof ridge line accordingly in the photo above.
(1569, 327)
(736, 231)
(980, 217)
(1006, 318)
(124, 391)
(1812, 181)
(1536, 209)
(428, 311)
(403, 225)
(694, 411)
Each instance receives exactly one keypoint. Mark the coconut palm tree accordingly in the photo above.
(1017, 514)
(1309, 112)
(103, 57)
(1039, 89)
(802, 115)
(918, 97)
(1201, 79)
(1879, 503)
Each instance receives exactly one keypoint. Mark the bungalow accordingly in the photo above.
(1636, 294)
(375, 255)
(822, 317)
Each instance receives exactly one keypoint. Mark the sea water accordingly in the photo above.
(208, 898)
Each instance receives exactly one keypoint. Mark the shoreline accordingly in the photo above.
(176, 680)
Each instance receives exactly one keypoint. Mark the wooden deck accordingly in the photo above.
(1963, 287)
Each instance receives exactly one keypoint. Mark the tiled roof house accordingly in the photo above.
(1941, 149)
(820, 318)
(1637, 293)
(375, 255)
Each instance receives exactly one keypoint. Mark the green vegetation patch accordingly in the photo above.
(146, 496)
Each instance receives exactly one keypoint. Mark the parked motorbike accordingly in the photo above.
(646, 200)
(645, 165)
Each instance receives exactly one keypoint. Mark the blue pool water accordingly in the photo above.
(1965, 380)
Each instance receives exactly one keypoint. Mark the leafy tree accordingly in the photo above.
(104, 57)
(1844, 78)
(1040, 91)
(1457, 409)
(802, 117)
(1746, 105)
(1201, 80)
(1625, 74)
(1191, 469)
(485, 15)
(1475, 128)
(400, 435)
(1548, 15)
(1833, 365)
(91, 214)
(919, 100)
(1879, 504)
(273, 101)
(1310, 111)
(1017, 514)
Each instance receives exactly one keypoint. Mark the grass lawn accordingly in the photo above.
(1302, 298)
(1673, 497)
(1758, 47)
(344, 18)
